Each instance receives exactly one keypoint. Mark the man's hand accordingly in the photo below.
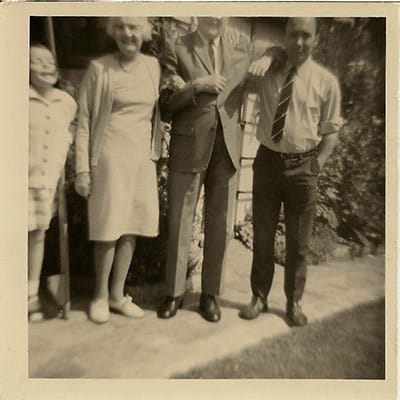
(210, 84)
(177, 81)
(82, 184)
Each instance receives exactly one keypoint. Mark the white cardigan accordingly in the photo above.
(95, 104)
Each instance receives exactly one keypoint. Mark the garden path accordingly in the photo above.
(154, 348)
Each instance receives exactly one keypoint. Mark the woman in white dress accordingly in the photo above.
(118, 142)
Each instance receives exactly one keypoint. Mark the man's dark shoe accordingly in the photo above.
(169, 307)
(254, 308)
(295, 314)
(209, 308)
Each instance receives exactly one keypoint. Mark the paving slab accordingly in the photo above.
(154, 348)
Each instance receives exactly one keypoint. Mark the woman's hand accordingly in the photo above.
(82, 184)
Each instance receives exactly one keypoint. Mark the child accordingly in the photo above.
(51, 112)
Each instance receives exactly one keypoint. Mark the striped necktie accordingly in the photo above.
(284, 100)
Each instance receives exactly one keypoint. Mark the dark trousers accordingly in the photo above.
(292, 182)
(220, 185)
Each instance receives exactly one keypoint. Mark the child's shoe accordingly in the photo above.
(34, 309)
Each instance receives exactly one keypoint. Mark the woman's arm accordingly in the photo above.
(82, 163)
(84, 115)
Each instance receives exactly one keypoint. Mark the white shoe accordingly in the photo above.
(99, 311)
(36, 316)
(126, 307)
(34, 304)
(35, 309)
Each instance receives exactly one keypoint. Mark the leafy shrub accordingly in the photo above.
(353, 182)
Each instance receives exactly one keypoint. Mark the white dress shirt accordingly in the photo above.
(314, 109)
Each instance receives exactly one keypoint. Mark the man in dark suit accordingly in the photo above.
(205, 149)
(300, 118)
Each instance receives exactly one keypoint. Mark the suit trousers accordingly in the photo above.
(220, 185)
(293, 182)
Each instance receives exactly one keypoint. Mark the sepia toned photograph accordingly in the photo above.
(206, 197)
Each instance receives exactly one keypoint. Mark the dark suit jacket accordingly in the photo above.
(195, 118)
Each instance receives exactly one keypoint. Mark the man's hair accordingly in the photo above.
(315, 20)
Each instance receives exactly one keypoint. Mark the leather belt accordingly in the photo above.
(293, 156)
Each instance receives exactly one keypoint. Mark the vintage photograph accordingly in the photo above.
(206, 197)
(200, 201)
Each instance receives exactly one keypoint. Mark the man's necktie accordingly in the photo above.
(211, 51)
(283, 104)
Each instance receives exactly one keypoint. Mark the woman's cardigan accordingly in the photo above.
(95, 105)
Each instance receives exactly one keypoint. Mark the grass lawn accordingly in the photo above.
(350, 345)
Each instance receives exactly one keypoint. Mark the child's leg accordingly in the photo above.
(123, 257)
(35, 260)
(103, 260)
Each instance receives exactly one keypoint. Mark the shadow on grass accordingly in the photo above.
(349, 345)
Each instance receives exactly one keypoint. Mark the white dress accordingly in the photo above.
(124, 194)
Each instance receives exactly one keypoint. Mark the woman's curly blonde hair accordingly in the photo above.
(147, 27)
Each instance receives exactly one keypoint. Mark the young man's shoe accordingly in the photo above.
(295, 314)
(254, 308)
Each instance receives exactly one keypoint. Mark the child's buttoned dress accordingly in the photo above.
(49, 141)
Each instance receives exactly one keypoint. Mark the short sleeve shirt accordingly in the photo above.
(50, 136)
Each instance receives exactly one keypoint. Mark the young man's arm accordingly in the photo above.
(331, 122)
(325, 148)
(274, 55)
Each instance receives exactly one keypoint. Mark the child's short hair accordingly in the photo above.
(40, 45)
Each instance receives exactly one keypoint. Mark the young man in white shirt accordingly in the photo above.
(299, 121)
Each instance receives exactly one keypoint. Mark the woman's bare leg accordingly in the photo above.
(103, 259)
(124, 252)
